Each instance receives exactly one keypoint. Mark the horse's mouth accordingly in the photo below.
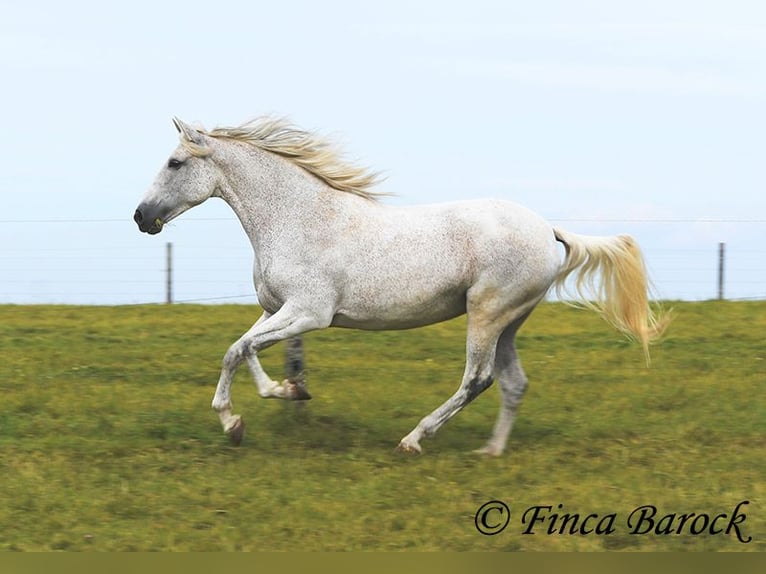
(147, 225)
(152, 228)
(156, 227)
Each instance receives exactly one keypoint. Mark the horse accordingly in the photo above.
(329, 253)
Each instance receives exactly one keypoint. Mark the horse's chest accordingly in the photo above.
(270, 296)
(279, 281)
(268, 300)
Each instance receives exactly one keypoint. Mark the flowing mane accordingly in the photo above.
(316, 155)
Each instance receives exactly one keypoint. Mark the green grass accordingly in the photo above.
(107, 440)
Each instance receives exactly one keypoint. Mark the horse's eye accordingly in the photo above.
(174, 163)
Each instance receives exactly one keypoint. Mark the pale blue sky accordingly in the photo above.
(583, 111)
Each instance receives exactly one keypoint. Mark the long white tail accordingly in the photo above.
(612, 281)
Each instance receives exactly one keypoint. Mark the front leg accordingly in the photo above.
(267, 388)
(293, 388)
(269, 329)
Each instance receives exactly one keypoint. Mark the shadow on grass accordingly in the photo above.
(298, 425)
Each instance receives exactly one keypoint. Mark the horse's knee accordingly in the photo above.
(234, 355)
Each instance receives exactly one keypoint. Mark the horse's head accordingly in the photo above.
(188, 178)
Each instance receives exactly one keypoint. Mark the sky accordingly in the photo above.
(605, 117)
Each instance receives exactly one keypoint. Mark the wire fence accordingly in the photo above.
(59, 261)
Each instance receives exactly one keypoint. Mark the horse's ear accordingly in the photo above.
(187, 132)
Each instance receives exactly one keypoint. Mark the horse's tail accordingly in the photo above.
(612, 281)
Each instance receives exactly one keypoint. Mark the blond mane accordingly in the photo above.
(316, 155)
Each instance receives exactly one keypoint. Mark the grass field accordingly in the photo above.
(107, 441)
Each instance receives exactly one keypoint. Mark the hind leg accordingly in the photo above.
(481, 342)
(491, 317)
(513, 384)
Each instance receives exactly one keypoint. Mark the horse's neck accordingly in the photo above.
(269, 194)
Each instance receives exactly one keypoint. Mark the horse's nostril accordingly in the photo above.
(138, 216)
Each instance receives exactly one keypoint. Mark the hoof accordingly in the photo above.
(407, 448)
(296, 391)
(236, 432)
(487, 451)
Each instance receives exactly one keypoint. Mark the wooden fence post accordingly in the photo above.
(721, 263)
(169, 273)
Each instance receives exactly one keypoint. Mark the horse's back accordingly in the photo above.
(416, 265)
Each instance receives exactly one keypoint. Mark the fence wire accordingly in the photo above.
(131, 270)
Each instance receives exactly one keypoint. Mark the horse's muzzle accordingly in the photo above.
(147, 224)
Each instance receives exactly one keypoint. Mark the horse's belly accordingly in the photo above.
(401, 313)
